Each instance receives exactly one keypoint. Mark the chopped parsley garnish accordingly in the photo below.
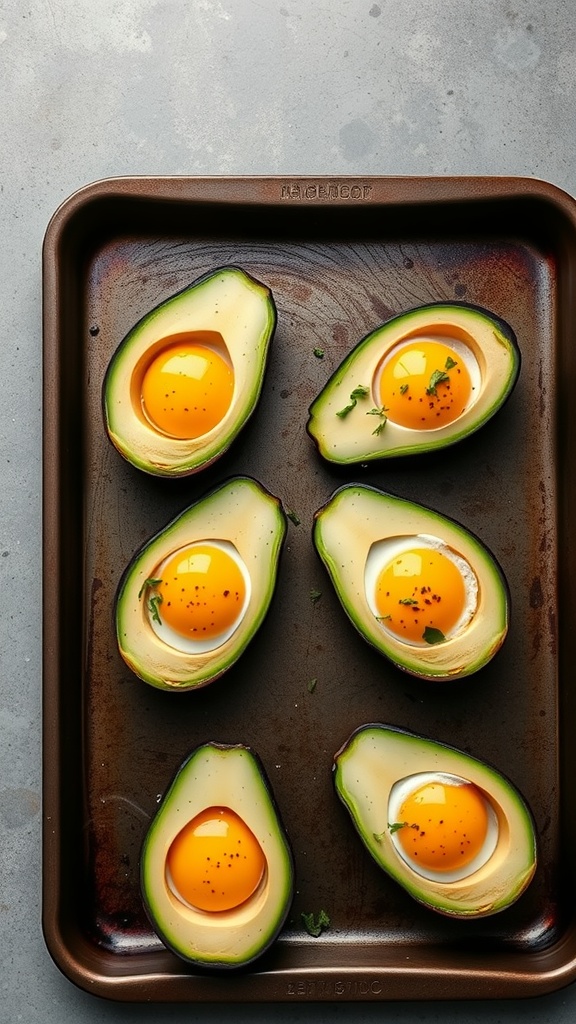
(450, 363)
(150, 582)
(153, 608)
(395, 826)
(383, 618)
(359, 392)
(319, 353)
(315, 596)
(315, 925)
(433, 636)
(403, 389)
(154, 601)
(293, 517)
(312, 685)
(438, 377)
(407, 600)
(382, 413)
(347, 408)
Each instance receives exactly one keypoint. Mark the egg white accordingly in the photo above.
(187, 645)
(460, 347)
(382, 552)
(402, 789)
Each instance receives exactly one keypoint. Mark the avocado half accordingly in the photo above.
(376, 757)
(338, 421)
(244, 514)
(353, 522)
(228, 776)
(227, 310)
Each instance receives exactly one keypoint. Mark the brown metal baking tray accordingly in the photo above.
(340, 255)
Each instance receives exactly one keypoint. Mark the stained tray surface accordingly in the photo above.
(338, 263)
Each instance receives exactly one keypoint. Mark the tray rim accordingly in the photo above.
(306, 984)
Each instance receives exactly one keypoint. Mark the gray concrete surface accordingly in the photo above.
(91, 89)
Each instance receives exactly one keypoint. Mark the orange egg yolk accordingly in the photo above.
(445, 825)
(187, 390)
(418, 590)
(424, 385)
(202, 591)
(215, 862)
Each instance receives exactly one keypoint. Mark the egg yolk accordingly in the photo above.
(420, 589)
(187, 390)
(215, 862)
(445, 825)
(202, 591)
(424, 385)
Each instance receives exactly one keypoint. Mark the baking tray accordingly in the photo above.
(340, 255)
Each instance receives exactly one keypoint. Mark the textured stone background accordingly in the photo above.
(91, 89)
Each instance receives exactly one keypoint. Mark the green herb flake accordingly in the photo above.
(383, 618)
(312, 685)
(315, 596)
(407, 600)
(433, 636)
(450, 363)
(438, 377)
(293, 517)
(150, 582)
(153, 608)
(347, 408)
(403, 389)
(361, 391)
(315, 925)
(382, 413)
(395, 826)
(319, 353)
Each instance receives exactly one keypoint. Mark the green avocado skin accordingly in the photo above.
(325, 429)
(386, 754)
(243, 778)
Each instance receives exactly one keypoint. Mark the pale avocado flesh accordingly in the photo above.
(351, 438)
(240, 511)
(228, 305)
(231, 776)
(375, 757)
(357, 517)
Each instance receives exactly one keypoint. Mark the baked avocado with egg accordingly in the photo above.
(194, 596)
(453, 831)
(217, 874)
(419, 382)
(419, 587)
(188, 375)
